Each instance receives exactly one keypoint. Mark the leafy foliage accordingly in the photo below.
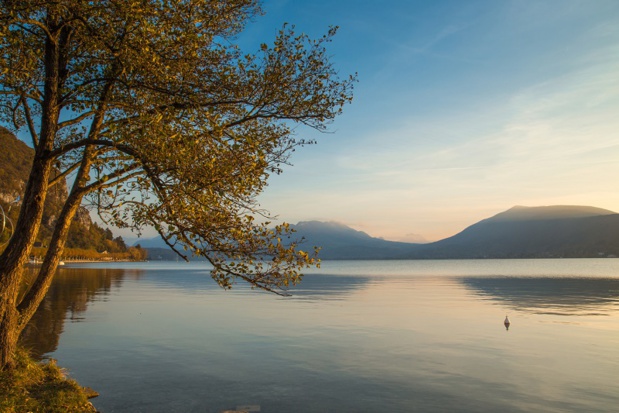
(159, 119)
(167, 122)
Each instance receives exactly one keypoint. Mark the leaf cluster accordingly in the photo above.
(169, 122)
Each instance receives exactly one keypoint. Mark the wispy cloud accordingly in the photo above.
(430, 147)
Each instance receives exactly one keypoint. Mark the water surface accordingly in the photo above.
(355, 336)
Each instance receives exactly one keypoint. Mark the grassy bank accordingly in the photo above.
(40, 387)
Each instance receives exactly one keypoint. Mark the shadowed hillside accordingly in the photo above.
(533, 232)
(341, 242)
(15, 161)
(520, 232)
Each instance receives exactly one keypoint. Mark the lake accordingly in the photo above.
(355, 336)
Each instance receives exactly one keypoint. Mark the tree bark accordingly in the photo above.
(13, 315)
(35, 295)
(15, 256)
(37, 291)
(8, 330)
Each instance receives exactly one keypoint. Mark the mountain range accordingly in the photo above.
(520, 232)
(533, 232)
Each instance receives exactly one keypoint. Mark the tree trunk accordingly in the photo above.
(37, 291)
(8, 331)
(13, 315)
(16, 255)
(16, 315)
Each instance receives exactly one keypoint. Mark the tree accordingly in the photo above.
(137, 253)
(161, 120)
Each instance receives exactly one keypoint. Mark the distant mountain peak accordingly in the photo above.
(330, 226)
(339, 241)
(520, 212)
(534, 232)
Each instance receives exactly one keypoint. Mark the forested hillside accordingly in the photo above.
(15, 160)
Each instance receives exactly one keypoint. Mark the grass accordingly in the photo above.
(40, 387)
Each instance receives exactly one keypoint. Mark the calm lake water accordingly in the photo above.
(356, 336)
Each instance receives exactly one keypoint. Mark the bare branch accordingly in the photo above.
(110, 180)
(29, 120)
(63, 175)
(76, 120)
(24, 23)
(172, 246)
(19, 93)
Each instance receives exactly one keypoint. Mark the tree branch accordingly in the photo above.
(76, 120)
(31, 128)
(110, 180)
(20, 93)
(172, 246)
(60, 177)
(35, 23)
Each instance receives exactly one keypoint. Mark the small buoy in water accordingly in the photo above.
(506, 323)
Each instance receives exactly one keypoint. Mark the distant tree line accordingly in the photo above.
(80, 254)
(94, 238)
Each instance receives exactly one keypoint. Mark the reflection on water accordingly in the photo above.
(560, 296)
(66, 300)
(328, 286)
(404, 336)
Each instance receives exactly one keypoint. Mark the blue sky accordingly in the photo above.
(463, 109)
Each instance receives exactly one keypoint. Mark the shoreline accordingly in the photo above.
(42, 386)
(64, 262)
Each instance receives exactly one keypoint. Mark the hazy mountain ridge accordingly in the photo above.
(520, 232)
(337, 241)
(540, 236)
(521, 213)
